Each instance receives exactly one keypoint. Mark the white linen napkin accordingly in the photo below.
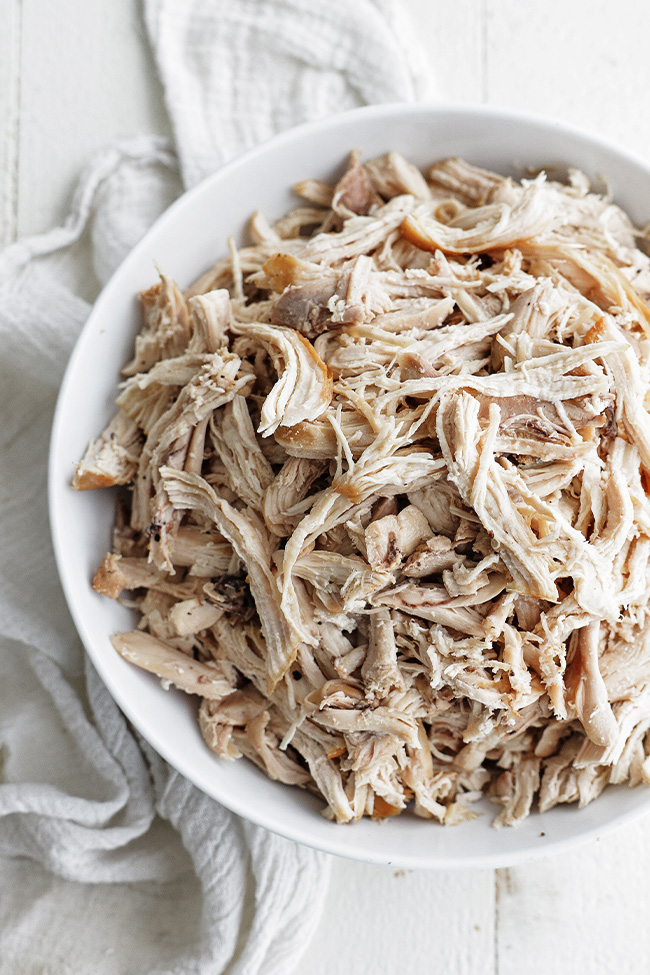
(187, 886)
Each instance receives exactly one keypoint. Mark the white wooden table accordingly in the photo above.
(583, 61)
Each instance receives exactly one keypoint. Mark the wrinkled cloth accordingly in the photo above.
(278, 64)
(109, 860)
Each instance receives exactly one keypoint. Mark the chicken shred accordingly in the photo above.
(389, 512)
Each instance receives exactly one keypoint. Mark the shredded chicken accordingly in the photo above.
(389, 515)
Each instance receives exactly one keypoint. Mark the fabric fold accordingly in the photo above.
(259, 68)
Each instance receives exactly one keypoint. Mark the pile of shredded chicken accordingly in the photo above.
(386, 508)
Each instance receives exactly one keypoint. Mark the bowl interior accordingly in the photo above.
(184, 242)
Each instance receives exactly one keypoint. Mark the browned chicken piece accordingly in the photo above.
(116, 574)
(476, 229)
(112, 458)
(317, 439)
(354, 192)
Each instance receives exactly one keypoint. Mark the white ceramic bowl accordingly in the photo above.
(185, 241)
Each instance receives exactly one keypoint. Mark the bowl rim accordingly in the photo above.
(286, 138)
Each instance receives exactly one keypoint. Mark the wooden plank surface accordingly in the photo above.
(75, 76)
(384, 921)
(452, 35)
(584, 912)
(583, 62)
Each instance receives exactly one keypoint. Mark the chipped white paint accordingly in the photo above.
(75, 76)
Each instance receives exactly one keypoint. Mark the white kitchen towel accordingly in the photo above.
(259, 67)
(146, 873)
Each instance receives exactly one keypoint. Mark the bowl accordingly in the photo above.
(185, 241)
